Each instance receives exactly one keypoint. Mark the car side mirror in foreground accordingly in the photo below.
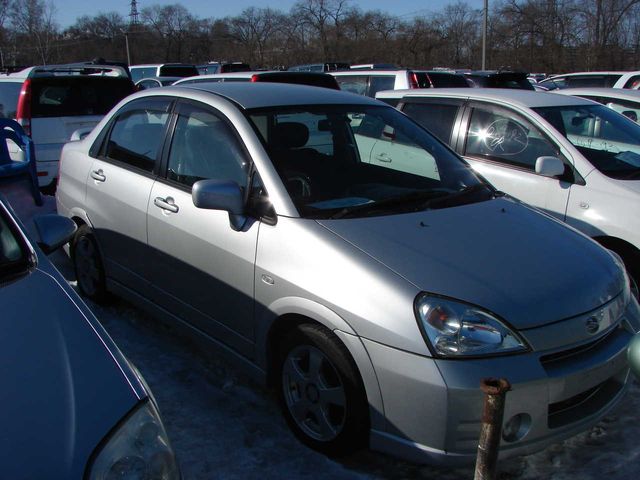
(549, 166)
(53, 231)
(220, 195)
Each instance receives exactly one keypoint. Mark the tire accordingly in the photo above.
(88, 266)
(321, 392)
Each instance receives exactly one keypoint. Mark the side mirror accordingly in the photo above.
(80, 134)
(220, 195)
(549, 166)
(53, 231)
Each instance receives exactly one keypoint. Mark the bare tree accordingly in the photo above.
(255, 29)
(325, 18)
(172, 24)
(35, 20)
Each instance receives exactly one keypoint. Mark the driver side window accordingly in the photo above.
(205, 147)
(502, 136)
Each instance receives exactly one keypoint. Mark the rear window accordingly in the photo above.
(604, 81)
(178, 71)
(446, 80)
(76, 96)
(9, 93)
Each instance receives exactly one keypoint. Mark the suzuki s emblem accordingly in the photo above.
(593, 325)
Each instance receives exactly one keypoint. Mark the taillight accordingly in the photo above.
(23, 114)
(254, 78)
(413, 80)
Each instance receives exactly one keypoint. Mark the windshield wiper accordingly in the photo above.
(422, 200)
(383, 205)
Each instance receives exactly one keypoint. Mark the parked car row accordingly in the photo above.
(356, 263)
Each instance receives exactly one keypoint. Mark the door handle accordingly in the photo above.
(166, 204)
(98, 175)
(383, 157)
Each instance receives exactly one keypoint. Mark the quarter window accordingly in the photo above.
(499, 135)
(138, 133)
(205, 147)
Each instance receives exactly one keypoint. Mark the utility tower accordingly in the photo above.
(133, 15)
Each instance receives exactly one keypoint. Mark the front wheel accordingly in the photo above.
(321, 392)
(87, 265)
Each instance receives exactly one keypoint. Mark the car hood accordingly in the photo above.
(499, 254)
(62, 391)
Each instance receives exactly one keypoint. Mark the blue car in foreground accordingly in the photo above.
(73, 407)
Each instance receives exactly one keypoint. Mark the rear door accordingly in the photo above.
(203, 269)
(119, 186)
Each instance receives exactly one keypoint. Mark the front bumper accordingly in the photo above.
(433, 407)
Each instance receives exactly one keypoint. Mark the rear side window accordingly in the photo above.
(437, 118)
(77, 96)
(9, 93)
(137, 134)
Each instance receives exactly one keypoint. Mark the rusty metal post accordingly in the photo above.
(495, 391)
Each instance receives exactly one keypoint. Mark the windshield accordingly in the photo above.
(609, 140)
(339, 161)
(15, 256)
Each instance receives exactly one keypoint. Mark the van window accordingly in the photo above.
(76, 96)
(9, 93)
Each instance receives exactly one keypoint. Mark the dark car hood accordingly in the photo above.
(498, 254)
(62, 391)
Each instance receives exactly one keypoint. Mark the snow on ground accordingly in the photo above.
(224, 426)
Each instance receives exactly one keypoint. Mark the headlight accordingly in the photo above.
(455, 329)
(137, 449)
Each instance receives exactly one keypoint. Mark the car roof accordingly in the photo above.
(621, 93)
(522, 98)
(262, 95)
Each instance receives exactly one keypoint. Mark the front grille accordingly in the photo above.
(550, 358)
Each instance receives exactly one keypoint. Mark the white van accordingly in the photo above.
(52, 102)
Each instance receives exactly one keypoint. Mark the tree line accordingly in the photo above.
(533, 35)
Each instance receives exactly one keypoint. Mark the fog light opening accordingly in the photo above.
(516, 428)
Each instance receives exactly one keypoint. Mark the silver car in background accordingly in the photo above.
(349, 258)
(72, 405)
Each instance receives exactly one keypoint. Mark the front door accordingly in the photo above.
(202, 267)
(503, 146)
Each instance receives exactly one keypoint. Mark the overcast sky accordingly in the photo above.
(68, 10)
